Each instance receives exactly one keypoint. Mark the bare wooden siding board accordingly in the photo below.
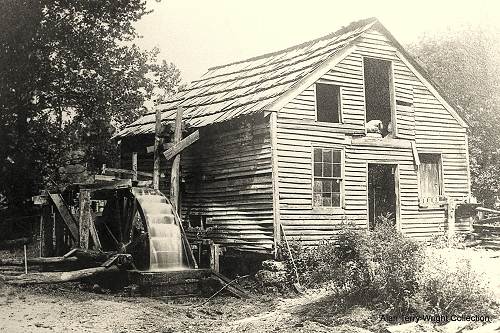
(425, 121)
(227, 178)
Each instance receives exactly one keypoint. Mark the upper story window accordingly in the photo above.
(327, 177)
(328, 103)
(379, 99)
(430, 182)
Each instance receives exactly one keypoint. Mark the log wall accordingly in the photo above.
(421, 118)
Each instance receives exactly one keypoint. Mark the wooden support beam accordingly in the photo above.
(134, 165)
(176, 164)
(93, 232)
(416, 159)
(214, 256)
(177, 148)
(156, 163)
(151, 149)
(85, 218)
(66, 215)
(48, 234)
(451, 207)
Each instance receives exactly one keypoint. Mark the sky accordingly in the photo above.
(198, 34)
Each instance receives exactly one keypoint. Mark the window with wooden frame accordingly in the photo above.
(328, 104)
(327, 177)
(430, 179)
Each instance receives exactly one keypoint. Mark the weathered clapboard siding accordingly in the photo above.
(226, 178)
(420, 117)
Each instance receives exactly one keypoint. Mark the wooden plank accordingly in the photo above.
(178, 147)
(66, 215)
(175, 169)
(116, 184)
(156, 162)
(381, 142)
(128, 172)
(85, 218)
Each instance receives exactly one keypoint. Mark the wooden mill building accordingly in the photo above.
(342, 128)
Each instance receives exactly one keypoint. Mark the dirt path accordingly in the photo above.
(64, 308)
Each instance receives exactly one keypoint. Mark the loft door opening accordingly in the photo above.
(378, 88)
(381, 192)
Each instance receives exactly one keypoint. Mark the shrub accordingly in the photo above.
(448, 285)
(443, 240)
(315, 265)
(383, 268)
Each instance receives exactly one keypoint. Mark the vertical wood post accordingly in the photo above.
(214, 257)
(47, 244)
(134, 164)
(156, 163)
(175, 171)
(451, 217)
(42, 212)
(85, 218)
(53, 232)
(273, 126)
(59, 234)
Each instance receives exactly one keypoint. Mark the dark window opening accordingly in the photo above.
(378, 85)
(327, 178)
(197, 221)
(328, 103)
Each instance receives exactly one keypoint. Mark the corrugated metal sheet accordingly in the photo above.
(246, 87)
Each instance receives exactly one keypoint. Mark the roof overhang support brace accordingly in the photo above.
(416, 159)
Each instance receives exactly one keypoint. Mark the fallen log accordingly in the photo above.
(10, 243)
(38, 261)
(89, 255)
(57, 277)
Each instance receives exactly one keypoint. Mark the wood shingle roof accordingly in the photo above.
(248, 86)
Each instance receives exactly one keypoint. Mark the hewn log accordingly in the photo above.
(58, 277)
(176, 164)
(10, 243)
(156, 163)
(85, 219)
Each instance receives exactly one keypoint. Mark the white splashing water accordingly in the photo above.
(165, 245)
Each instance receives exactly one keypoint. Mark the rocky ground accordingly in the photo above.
(64, 308)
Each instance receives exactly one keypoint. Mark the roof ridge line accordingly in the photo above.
(303, 44)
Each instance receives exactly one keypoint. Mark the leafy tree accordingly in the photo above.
(466, 65)
(69, 76)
